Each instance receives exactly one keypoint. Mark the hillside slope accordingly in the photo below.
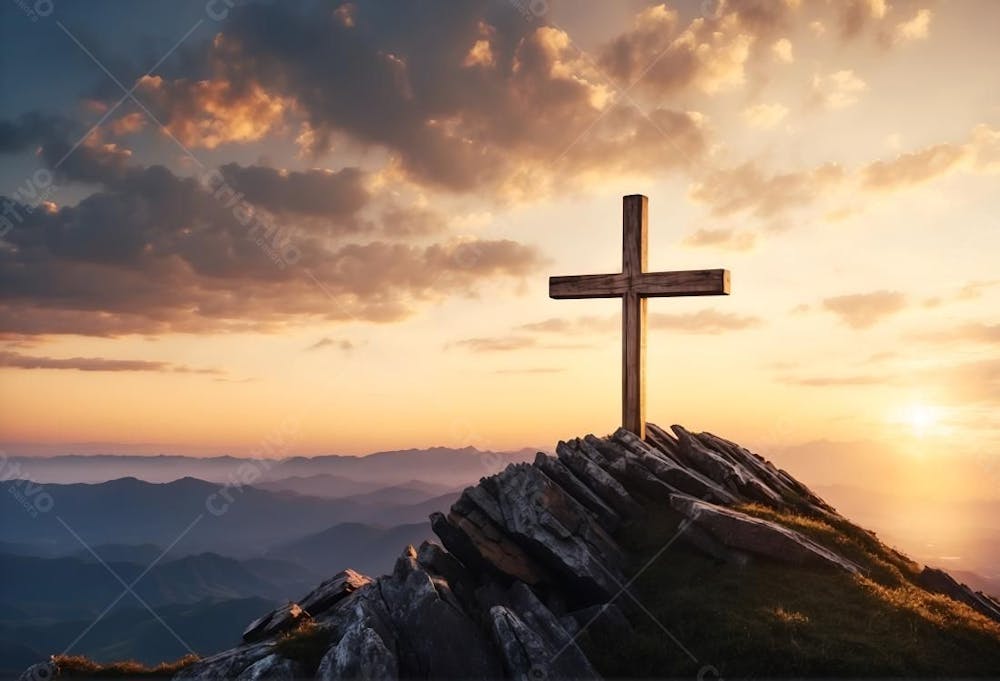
(680, 555)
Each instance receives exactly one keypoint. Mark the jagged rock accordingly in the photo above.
(274, 622)
(361, 653)
(637, 477)
(272, 668)
(664, 442)
(719, 468)
(555, 529)
(941, 582)
(669, 470)
(441, 565)
(435, 637)
(227, 664)
(588, 464)
(469, 534)
(525, 655)
(565, 478)
(757, 536)
(570, 663)
(331, 591)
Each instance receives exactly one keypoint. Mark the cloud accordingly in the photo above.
(496, 344)
(915, 28)
(469, 98)
(29, 130)
(980, 154)
(411, 220)
(325, 193)
(864, 310)
(339, 343)
(782, 50)
(973, 332)
(974, 289)
(834, 381)
(573, 325)
(726, 239)
(975, 382)
(531, 371)
(661, 57)
(856, 15)
(765, 115)
(128, 124)
(838, 89)
(17, 360)
(706, 321)
(912, 168)
(156, 253)
(747, 188)
(209, 113)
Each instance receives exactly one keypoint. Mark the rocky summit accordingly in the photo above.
(538, 576)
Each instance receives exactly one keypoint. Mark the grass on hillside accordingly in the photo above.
(306, 644)
(78, 666)
(767, 619)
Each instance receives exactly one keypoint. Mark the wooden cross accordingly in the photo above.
(634, 285)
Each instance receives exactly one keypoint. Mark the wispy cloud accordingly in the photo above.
(864, 310)
(16, 360)
(339, 343)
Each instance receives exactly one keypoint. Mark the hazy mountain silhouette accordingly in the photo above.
(439, 465)
(371, 549)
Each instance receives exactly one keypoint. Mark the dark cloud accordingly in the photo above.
(464, 96)
(17, 360)
(864, 310)
(322, 193)
(155, 253)
(30, 130)
(411, 221)
(66, 148)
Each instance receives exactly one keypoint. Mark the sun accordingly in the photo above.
(921, 418)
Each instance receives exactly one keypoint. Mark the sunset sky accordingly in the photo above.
(423, 168)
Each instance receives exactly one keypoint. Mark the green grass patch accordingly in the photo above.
(771, 620)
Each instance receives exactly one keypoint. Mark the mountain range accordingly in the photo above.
(441, 465)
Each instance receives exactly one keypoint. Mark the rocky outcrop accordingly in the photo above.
(747, 534)
(941, 582)
(529, 566)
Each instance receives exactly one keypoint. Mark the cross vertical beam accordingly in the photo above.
(634, 285)
(635, 228)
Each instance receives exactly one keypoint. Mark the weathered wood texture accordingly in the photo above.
(647, 284)
(634, 285)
